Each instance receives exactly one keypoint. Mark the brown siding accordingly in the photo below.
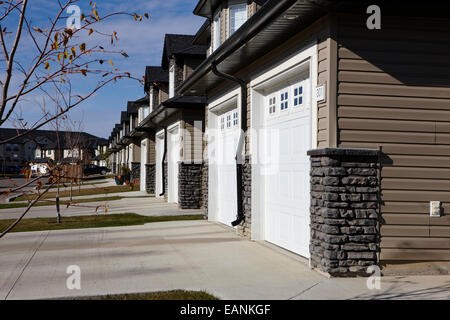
(394, 91)
(193, 147)
(151, 152)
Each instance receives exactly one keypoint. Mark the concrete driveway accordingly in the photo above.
(147, 206)
(195, 255)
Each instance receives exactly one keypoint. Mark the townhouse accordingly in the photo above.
(161, 135)
(326, 137)
(156, 86)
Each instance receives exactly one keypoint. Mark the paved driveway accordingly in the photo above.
(177, 255)
(147, 206)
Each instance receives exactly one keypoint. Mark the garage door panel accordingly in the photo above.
(226, 168)
(286, 203)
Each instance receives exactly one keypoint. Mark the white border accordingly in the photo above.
(307, 54)
(215, 108)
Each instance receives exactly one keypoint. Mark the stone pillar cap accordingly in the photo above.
(343, 152)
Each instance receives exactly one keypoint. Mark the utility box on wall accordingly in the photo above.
(435, 209)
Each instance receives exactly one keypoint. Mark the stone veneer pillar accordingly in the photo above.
(205, 187)
(190, 185)
(244, 228)
(135, 171)
(150, 178)
(344, 210)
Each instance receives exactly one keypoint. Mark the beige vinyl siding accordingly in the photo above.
(136, 149)
(193, 146)
(394, 92)
(322, 107)
(151, 152)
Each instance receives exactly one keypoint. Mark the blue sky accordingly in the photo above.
(141, 41)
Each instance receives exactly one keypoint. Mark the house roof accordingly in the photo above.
(273, 24)
(124, 117)
(48, 139)
(132, 108)
(203, 35)
(185, 102)
(155, 74)
(206, 8)
(142, 101)
(180, 45)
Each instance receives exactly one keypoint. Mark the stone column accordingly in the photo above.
(135, 171)
(205, 188)
(344, 210)
(150, 178)
(190, 185)
(244, 228)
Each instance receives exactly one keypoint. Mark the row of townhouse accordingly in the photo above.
(44, 145)
(304, 124)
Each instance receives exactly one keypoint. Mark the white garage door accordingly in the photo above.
(159, 148)
(173, 150)
(286, 203)
(228, 136)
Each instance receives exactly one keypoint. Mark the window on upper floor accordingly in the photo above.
(171, 82)
(145, 112)
(216, 31)
(238, 16)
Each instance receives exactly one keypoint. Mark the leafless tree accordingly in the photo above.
(56, 57)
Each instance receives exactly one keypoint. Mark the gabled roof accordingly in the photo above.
(132, 108)
(206, 8)
(181, 45)
(203, 35)
(48, 139)
(124, 116)
(143, 100)
(155, 74)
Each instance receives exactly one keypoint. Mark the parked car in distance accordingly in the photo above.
(91, 169)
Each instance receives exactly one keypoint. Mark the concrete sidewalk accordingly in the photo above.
(193, 255)
(147, 206)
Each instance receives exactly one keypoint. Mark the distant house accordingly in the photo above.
(42, 145)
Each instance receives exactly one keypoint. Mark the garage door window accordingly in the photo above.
(298, 96)
(235, 118)
(272, 105)
(284, 97)
(228, 120)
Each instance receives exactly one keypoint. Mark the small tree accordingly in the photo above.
(56, 56)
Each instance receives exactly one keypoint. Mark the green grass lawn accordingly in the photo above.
(94, 221)
(74, 186)
(83, 192)
(62, 202)
(161, 295)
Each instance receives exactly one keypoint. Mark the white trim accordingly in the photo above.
(216, 25)
(173, 125)
(160, 133)
(220, 104)
(305, 59)
(233, 94)
(172, 81)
